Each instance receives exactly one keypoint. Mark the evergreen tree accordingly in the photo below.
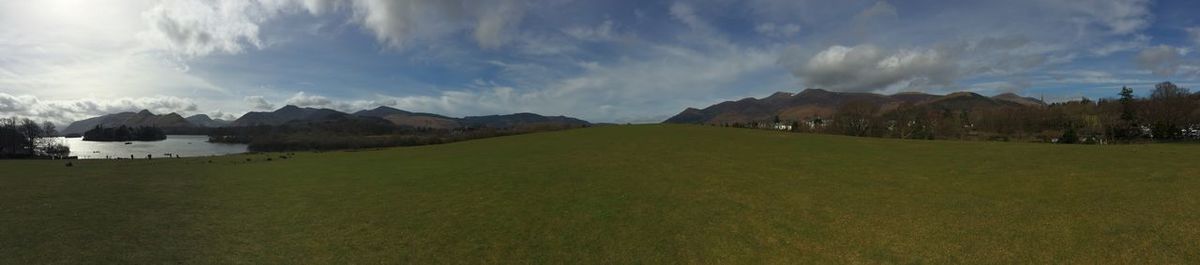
(1128, 111)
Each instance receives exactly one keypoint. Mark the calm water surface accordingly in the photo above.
(181, 145)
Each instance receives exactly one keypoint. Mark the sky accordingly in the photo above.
(600, 60)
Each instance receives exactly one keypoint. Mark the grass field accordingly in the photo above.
(619, 195)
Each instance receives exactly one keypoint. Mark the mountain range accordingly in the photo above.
(133, 119)
(174, 123)
(818, 102)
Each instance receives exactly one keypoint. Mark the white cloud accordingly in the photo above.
(305, 100)
(197, 28)
(880, 10)
(1161, 60)
(193, 28)
(397, 23)
(259, 103)
(686, 14)
(63, 112)
(869, 68)
(777, 31)
(16, 104)
(62, 49)
(1117, 16)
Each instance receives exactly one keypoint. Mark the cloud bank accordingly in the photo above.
(63, 112)
(614, 61)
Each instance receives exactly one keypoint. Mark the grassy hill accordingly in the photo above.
(618, 195)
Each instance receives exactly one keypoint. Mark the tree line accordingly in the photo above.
(124, 133)
(1170, 113)
(356, 133)
(26, 138)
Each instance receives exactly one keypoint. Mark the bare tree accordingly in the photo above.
(1169, 111)
(856, 117)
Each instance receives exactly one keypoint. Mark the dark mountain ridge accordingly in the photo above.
(819, 102)
(144, 118)
(286, 114)
(520, 119)
(203, 120)
(294, 115)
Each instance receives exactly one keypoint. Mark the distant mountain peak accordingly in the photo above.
(1013, 97)
(779, 95)
(520, 119)
(203, 120)
(964, 94)
(287, 114)
(813, 91)
(382, 111)
(819, 102)
(132, 119)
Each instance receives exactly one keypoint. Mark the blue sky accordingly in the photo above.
(604, 61)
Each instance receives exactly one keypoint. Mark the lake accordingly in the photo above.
(182, 145)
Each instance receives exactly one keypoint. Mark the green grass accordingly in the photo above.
(619, 195)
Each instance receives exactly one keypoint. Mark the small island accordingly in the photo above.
(124, 133)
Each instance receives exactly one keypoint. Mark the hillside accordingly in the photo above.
(411, 119)
(823, 103)
(203, 120)
(429, 120)
(294, 114)
(658, 194)
(520, 119)
(130, 119)
(287, 114)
